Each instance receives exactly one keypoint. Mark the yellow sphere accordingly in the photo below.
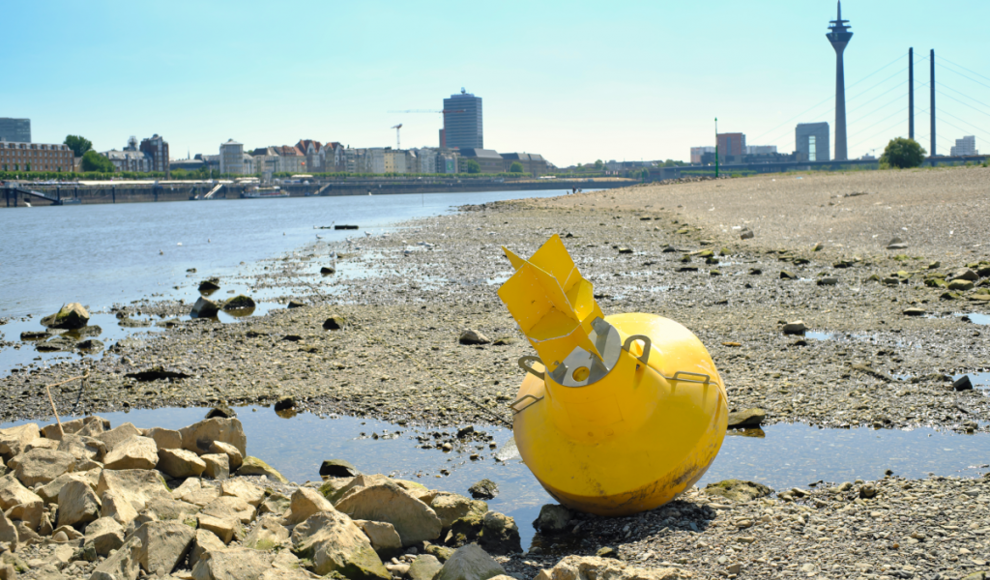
(637, 437)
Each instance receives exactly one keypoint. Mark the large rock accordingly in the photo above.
(962, 285)
(424, 567)
(382, 535)
(199, 437)
(249, 492)
(134, 453)
(122, 564)
(738, 490)
(304, 503)
(180, 463)
(70, 317)
(77, 504)
(387, 502)
(593, 568)
(470, 563)
(104, 534)
(964, 274)
(268, 534)
(231, 564)
(217, 465)
(14, 439)
(49, 492)
(553, 519)
(82, 447)
(204, 541)
(230, 507)
(118, 435)
(117, 508)
(167, 509)
(165, 438)
(255, 466)
(451, 507)
(164, 545)
(193, 491)
(276, 504)
(41, 465)
(8, 532)
(226, 529)
(234, 456)
(747, 418)
(334, 543)
(495, 532)
(87, 426)
(19, 502)
(136, 486)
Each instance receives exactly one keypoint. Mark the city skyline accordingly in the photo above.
(630, 83)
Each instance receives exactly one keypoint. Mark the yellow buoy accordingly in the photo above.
(617, 414)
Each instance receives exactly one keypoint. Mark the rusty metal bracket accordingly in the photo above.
(513, 404)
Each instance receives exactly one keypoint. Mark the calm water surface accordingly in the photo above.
(104, 254)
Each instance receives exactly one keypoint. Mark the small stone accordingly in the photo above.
(914, 312)
(338, 468)
(963, 383)
(796, 327)
(896, 244)
(748, 418)
(785, 275)
(471, 336)
(484, 489)
(828, 281)
(285, 403)
(553, 519)
(746, 234)
(867, 491)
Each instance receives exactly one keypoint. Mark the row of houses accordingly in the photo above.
(310, 156)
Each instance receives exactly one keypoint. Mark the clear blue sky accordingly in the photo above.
(576, 81)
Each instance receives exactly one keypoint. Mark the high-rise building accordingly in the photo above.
(16, 130)
(965, 147)
(811, 141)
(840, 37)
(157, 148)
(232, 158)
(730, 145)
(462, 124)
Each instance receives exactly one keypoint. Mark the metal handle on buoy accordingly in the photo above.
(513, 404)
(529, 369)
(707, 378)
(647, 343)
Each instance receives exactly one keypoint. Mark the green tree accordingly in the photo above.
(903, 154)
(93, 161)
(79, 145)
(599, 165)
(644, 174)
(516, 167)
(473, 166)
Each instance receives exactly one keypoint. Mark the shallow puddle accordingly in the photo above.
(785, 456)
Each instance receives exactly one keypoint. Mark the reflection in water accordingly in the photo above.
(752, 432)
(240, 312)
(207, 292)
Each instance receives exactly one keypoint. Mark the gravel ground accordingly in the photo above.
(404, 299)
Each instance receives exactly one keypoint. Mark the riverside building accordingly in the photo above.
(19, 156)
(462, 122)
(16, 130)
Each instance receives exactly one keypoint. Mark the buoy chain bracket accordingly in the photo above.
(520, 400)
(647, 344)
(524, 365)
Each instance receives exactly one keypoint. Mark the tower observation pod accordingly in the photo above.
(616, 414)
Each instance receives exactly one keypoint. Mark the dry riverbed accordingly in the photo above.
(886, 341)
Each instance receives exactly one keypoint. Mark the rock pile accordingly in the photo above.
(128, 502)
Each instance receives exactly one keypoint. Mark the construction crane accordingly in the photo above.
(398, 143)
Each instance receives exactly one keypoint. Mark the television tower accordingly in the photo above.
(839, 37)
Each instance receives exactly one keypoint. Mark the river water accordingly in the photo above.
(100, 255)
